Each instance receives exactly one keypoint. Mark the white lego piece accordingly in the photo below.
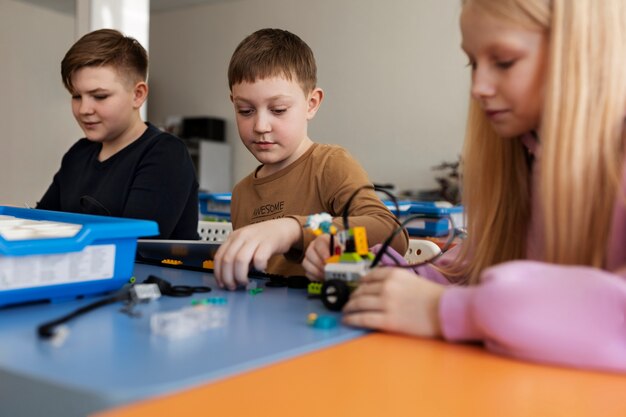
(421, 250)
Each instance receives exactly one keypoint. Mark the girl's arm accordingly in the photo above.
(566, 315)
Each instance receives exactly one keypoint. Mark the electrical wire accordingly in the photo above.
(346, 209)
(47, 330)
(455, 232)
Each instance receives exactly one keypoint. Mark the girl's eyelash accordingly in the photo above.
(505, 64)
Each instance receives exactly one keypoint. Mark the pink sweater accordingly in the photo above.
(566, 315)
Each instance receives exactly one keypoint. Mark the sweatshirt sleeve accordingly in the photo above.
(565, 315)
(341, 176)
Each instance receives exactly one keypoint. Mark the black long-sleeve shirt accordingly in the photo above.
(152, 178)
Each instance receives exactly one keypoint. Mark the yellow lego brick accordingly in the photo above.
(360, 240)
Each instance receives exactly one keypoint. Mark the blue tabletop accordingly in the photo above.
(110, 358)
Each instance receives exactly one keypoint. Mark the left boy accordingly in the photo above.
(123, 167)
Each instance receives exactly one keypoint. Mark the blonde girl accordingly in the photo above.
(542, 273)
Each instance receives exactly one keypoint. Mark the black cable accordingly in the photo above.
(346, 209)
(452, 235)
(46, 330)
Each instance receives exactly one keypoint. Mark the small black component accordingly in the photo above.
(335, 294)
(294, 281)
(175, 290)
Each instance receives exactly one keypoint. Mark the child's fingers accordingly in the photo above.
(241, 265)
(313, 270)
(364, 303)
(370, 319)
(313, 265)
(263, 252)
(217, 263)
(376, 275)
(227, 263)
(371, 288)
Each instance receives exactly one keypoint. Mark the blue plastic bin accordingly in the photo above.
(215, 206)
(435, 221)
(99, 258)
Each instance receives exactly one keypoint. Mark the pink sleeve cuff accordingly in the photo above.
(455, 313)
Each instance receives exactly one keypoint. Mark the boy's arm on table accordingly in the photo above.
(162, 185)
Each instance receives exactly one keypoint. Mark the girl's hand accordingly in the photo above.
(253, 245)
(314, 257)
(395, 300)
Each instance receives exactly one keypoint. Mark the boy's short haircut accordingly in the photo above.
(106, 47)
(270, 53)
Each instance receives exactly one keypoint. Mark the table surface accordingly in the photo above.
(110, 358)
(390, 375)
(267, 361)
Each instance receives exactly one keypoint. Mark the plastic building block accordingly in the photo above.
(314, 288)
(172, 262)
(188, 321)
(360, 240)
(144, 292)
(421, 250)
(208, 264)
(210, 300)
(321, 223)
(322, 322)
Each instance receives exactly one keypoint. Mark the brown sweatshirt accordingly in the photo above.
(321, 180)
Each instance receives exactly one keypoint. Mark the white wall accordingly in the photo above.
(36, 125)
(393, 73)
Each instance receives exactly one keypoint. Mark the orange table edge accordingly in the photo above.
(382, 374)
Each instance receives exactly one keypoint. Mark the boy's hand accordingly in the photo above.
(253, 245)
(396, 300)
(317, 252)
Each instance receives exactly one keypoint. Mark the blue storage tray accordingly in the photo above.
(67, 267)
(433, 209)
(428, 227)
(215, 205)
(435, 221)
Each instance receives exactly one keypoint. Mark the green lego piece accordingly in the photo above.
(314, 288)
(350, 257)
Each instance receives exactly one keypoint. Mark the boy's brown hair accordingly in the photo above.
(273, 52)
(106, 47)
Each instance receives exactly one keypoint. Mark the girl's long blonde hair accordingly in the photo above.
(581, 143)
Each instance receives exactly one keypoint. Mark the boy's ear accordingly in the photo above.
(315, 99)
(140, 94)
